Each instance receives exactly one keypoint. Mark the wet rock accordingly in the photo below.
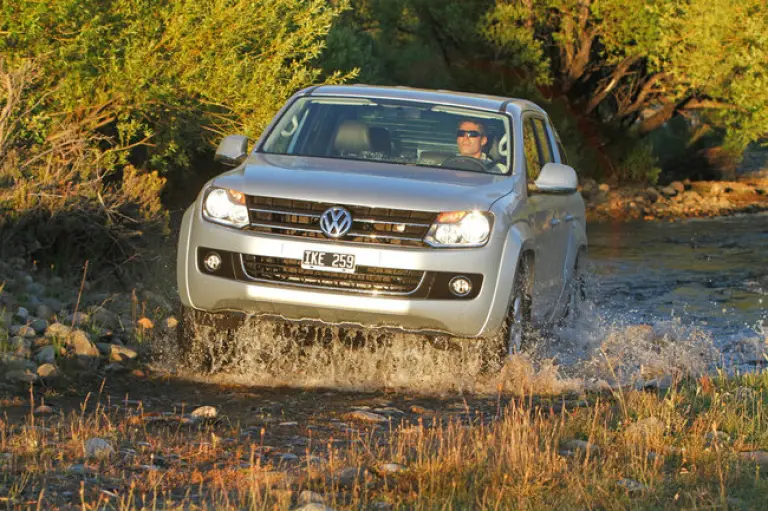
(758, 457)
(47, 355)
(48, 371)
(205, 412)
(45, 312)
(98, 448)
(364, 416)
(81, 344)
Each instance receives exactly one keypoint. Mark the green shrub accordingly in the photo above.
(102, 100)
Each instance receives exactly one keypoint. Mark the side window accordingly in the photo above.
(532, 158)
(545, 148)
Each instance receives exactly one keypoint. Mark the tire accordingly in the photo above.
(516, 332)
(575, 295)
(207, 340)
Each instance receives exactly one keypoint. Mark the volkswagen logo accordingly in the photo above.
(335, 222)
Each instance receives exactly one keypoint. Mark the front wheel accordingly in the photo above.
(515, 333)
(576, 295)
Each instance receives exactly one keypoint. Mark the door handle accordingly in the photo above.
(554, 221)
(569, 218)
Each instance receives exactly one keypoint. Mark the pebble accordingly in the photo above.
(314, 506)
(98, 448)
(205, 412)
(81, 344)
(79, 469)
(391, 468)
(362, 415)
(39, 326)
(310, 497)
(47, 355)
(44, 311)
(59, 330)
(47, 371)
(44, 410)
(78, 318)
(631, 485)
(22, 313)
(23, 331)
(580, 445)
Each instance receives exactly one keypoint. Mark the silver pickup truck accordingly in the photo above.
(391, 207)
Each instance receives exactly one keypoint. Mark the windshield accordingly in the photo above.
(394, 132)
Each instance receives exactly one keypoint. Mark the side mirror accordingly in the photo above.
(557, 178)
(232, 150)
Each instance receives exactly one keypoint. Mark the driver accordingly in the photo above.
(471, 138)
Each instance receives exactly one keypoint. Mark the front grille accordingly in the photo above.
(369, 225)
(366, 279)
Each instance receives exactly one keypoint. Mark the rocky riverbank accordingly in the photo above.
(53, 330)
(679, 199)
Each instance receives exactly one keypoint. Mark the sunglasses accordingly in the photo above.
(468, 133)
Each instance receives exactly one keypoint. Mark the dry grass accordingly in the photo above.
(651, 451)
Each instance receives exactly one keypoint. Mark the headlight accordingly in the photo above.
(225, 207)
(460, 229)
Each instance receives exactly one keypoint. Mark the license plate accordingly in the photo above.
(328, 261)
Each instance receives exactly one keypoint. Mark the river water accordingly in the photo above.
(709, 275)
(712, 273)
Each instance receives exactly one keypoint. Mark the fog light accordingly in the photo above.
(460, 286)
(212, 262)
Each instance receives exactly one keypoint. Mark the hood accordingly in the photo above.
(365, 183)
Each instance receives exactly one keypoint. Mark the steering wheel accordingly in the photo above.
(464, 163)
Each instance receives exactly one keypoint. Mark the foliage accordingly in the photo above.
(103, 99)
(636, 64)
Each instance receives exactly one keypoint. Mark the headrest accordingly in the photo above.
(499, 149)
(352, 137)
(381, 142)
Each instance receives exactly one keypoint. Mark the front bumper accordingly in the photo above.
(418, 312)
